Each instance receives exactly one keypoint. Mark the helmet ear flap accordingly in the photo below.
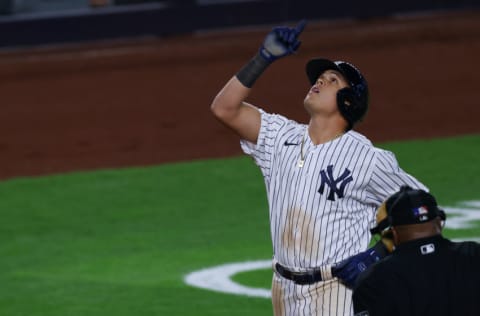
(348, 105)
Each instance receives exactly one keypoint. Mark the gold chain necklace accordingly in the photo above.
(301, 161)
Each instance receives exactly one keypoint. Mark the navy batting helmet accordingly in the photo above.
(352, 101)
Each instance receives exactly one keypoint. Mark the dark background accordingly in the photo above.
(34, 22)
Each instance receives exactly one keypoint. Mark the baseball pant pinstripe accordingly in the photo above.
(322, 298)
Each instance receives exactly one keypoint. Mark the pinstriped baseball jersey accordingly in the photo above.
(321, 212)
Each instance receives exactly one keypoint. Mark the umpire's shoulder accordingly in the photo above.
(467, 248)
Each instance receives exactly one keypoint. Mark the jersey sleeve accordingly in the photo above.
(263, 151)
(387, 178)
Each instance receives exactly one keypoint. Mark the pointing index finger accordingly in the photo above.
(300, 26)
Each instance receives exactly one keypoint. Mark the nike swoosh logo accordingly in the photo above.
(290, 144)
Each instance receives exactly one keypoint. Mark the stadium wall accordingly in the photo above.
(129, 18)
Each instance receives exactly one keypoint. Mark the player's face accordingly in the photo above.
(322, 96)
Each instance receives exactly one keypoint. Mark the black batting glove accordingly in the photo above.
(281, 41)
(349, 269)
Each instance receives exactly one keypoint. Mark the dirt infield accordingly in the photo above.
(145, 102)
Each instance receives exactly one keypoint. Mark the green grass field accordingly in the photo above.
(119, 242)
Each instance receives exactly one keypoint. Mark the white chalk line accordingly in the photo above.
(219, 278)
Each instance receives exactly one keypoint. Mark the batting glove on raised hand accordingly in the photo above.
(349, 269)
(281, 41)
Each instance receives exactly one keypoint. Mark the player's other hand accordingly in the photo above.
(281, 41)
(349, 269)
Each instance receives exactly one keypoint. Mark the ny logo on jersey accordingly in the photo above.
(337, 186)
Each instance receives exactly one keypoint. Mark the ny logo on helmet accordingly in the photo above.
(337, 186)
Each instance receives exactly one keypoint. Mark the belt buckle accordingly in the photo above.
(302, 278)
(296, 273)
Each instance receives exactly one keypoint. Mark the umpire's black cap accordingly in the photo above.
(412, 206)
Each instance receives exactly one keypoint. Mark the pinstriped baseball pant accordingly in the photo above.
(327, 298)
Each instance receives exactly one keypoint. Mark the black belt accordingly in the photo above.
(301, 278)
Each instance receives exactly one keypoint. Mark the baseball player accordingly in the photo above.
(426, 274)
(324, 181)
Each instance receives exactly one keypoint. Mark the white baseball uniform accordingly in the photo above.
(322, 201)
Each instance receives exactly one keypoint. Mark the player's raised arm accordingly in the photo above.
(229, 105)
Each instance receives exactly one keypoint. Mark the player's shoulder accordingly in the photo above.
(384, 154)
(281, 129)
(382, 157)
(360, 140)
(364, 141)
(278, 119)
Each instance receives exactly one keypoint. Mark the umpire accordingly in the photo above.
(426, 274)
